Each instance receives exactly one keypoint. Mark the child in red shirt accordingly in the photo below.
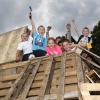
(52, 49)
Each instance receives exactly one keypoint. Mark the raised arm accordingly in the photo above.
(75, 27)
(47, 32)
(32, 23)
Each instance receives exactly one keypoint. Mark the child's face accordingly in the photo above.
(61, 46)
(57, 40)
(66, 46)
(41, 30)
(51, 43)
(69, 27)
(85, 32)
(24, 37)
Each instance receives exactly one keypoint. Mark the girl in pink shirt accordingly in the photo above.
(52, 49)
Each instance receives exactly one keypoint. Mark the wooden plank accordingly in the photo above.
(80, 74)
(45, 79)
(69, 72)
(50, 79)
(90, 73)
(46, 97)
(71, 95)
(29, 81)
(86, 88)
(61, 84)
(13, 65)
(68, 96)
(68, 88)
(90, 87)
(89, 79)
(16, 82)
(3, 92)
(71, 88)
(10, 77)
(37, 78)
(37, 84)
(22, 81)
(4, 85)
(68, 80)
(91, 97)
(33, 92)
(96, 73)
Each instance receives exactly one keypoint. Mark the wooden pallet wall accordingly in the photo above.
(8, 44)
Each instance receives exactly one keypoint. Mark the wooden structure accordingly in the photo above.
(62, 77)
(8, 44)
(46, 78)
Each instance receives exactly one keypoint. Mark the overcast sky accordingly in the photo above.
(56, 13)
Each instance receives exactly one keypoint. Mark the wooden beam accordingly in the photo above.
(13, 65)
(29, 81)
(68, 96)
(4, 85)
(61, 84)
(45, 79)
(10, 77)
(90, 87)
(80, 74)
(86, 88)
(7, 97)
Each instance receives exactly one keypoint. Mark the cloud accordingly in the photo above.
(56, 13)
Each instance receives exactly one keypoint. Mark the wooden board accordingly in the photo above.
(8, 44)
(86, 88)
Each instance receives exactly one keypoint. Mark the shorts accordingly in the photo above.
(27, 56)
(39, 53)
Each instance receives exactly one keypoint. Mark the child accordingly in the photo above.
(68, 35)
(52, 49)
(67, 46)
(39, 41)
(26, 47)
(83, 39)
(58, 39)
(60, 45)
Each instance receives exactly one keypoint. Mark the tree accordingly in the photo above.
(96, 39)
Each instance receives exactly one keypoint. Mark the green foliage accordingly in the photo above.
(96, 39)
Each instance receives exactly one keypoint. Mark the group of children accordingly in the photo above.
(36, 45)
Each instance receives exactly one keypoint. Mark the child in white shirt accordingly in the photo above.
(26, 47)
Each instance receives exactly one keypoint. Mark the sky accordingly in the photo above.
(55, 13)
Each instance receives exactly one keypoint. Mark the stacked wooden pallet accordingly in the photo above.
(45, 78)
(90, 91)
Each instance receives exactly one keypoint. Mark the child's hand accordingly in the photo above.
(73, 21)
(48, 28)
(46, 55)
(17, 59)
(30, 15)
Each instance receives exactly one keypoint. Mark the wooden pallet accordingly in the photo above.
(88, 91)
(44, 78)
(93, 76)
(8, 75)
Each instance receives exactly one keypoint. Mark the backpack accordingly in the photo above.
(89, 38)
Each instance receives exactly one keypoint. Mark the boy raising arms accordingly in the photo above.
(39, 41)
(84, 38)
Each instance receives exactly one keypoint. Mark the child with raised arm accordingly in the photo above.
(67, 46)
(39, 41)
(52, 49)
(83, 39)
(68, 34)
(26, 47)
